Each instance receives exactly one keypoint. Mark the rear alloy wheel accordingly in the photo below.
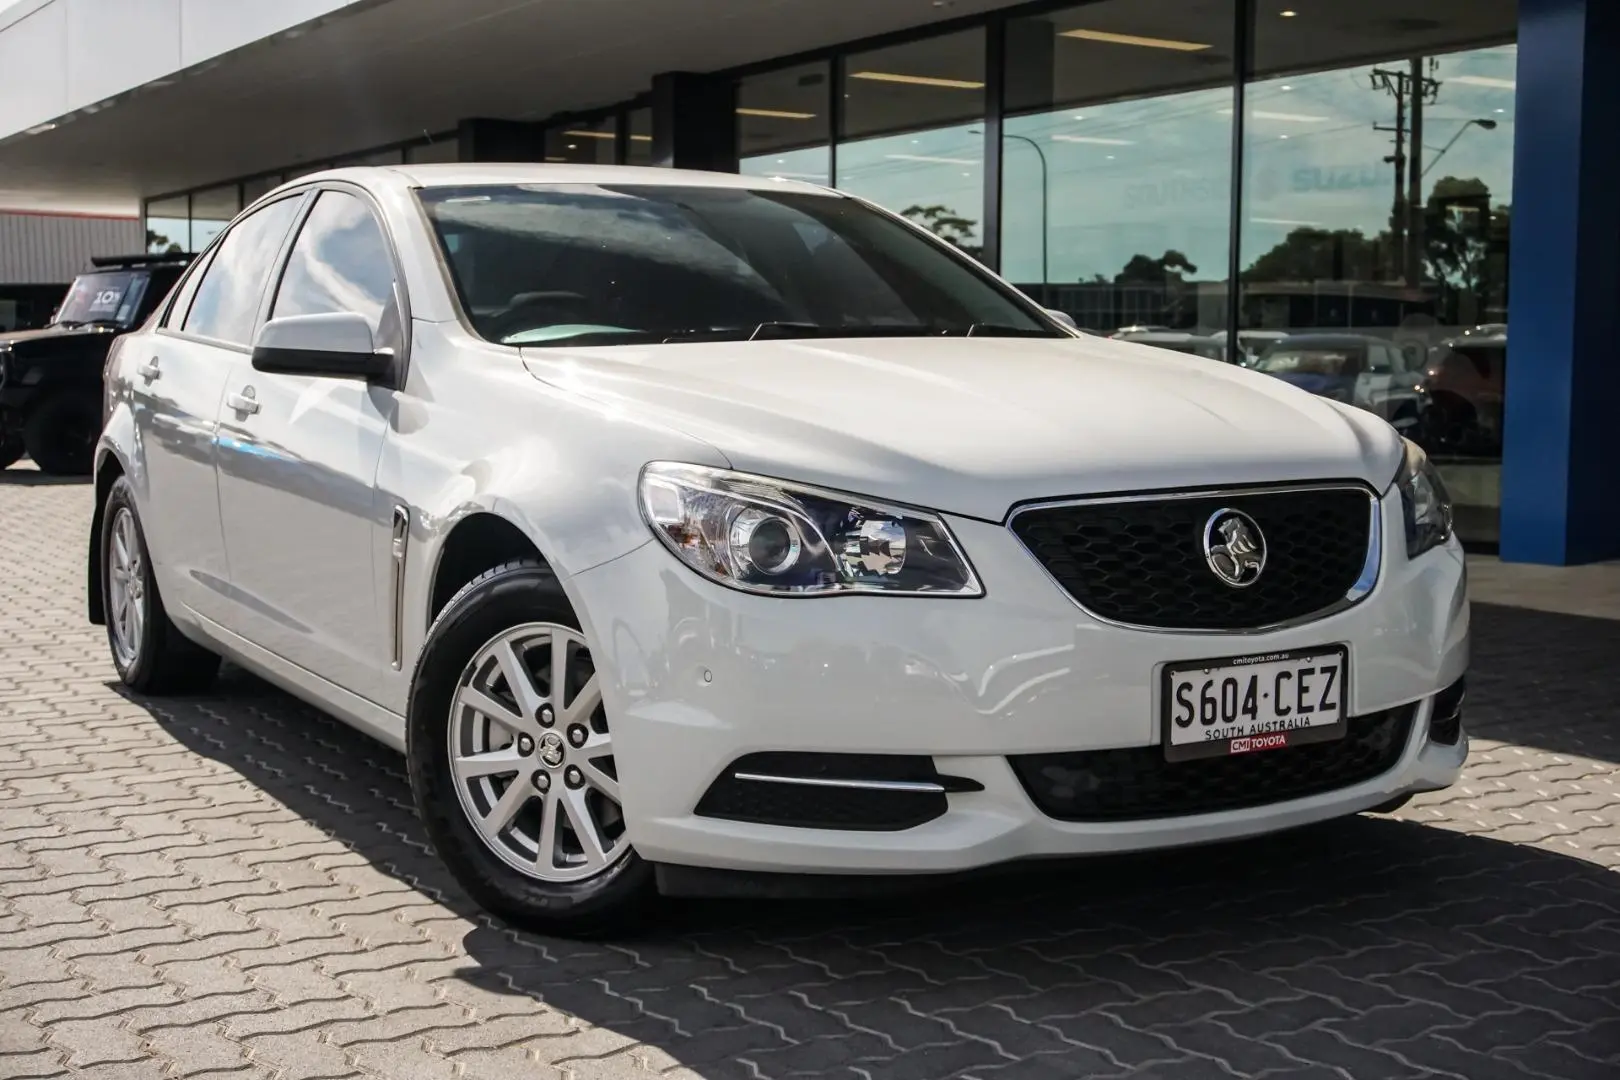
(150, 653)
(126, 589)
(512, 763)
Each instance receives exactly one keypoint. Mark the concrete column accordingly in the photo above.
(1561, 455)
(694, 121)
(499, 140)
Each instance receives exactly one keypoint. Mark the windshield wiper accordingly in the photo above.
(982, 329)
(782, 330)
(594, 337)
(767, 331)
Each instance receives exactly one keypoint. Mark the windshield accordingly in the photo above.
(110, 298)
(1344, 363)
(584, 264)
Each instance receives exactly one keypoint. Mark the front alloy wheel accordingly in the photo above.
(512, 763)
(533, 761)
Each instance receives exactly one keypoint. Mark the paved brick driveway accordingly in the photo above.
(234, 886)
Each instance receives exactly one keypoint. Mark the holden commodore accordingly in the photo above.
(692, 533)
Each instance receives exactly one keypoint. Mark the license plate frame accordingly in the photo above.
(1252, 741)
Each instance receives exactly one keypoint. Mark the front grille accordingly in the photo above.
(1142, 562)
(1138, 783)
(811, 806)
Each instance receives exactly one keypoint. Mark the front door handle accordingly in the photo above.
(243, 402)
(149, 370)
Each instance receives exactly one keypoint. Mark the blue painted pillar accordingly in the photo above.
(1561, 453)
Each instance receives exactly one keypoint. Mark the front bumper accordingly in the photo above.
(696, 675)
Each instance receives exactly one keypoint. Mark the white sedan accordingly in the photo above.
(695, 533)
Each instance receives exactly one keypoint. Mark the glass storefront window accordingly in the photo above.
(1116, 164)
(912, 136)
(639, 150)
(211, 211)
(1378, 170)
(782, 124)
(168, 225)
(583, 142)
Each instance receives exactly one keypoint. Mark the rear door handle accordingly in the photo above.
(149, 370)
(243, 402)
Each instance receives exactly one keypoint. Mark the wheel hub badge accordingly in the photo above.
(551, 750)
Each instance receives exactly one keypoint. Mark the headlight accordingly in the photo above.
(766, 536)
(1425, 503)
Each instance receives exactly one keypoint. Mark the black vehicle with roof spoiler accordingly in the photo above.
(50, 379)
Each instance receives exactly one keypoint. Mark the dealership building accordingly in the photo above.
(1399, 179)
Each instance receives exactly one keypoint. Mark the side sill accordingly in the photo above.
(364, 716)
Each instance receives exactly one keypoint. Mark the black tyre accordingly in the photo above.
(150, 653)
(512, 765)
(11, 451)
(60, 435)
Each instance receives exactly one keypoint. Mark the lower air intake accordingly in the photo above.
(1138, 783)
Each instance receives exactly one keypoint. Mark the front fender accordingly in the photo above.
(475, 433)
(573, 497)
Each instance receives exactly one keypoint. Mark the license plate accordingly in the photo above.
(1243, 704)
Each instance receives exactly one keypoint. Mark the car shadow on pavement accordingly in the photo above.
(29, 477)
(1546, 680)
(1374, 947)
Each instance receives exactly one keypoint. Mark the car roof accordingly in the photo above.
(492, 174)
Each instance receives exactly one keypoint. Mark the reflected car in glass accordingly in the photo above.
(1251, 344)
(1206, 346)
(692, 533)
(1368, 372)
(1465, 381)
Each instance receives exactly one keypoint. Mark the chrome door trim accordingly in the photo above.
(398, 548)
(1371, 567)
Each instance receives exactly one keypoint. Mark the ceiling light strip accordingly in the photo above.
(917, 80)
(1108, 37)
(777, 114)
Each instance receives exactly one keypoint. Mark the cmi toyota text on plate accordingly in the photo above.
(678, 525)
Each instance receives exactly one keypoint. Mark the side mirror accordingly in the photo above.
(1063, 317)
(336, 345)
